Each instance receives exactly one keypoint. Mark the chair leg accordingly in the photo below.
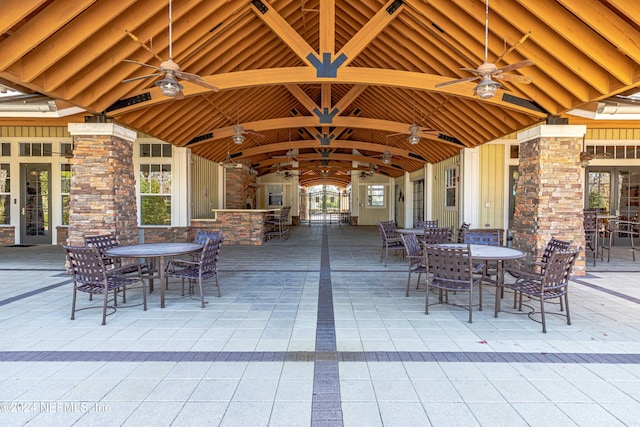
(566, 303)
(104, 307)
(470, 305)
(409, 282)
(201, 292)
(426, 310)
(144, 294)
(544, 325)
(480, 293)
(73, 303)
(218, 284)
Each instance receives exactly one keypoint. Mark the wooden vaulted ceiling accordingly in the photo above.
(334, 83)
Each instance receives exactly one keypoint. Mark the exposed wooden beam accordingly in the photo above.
(285, 32)
(327, 31)
(16, 10)
(369, 32)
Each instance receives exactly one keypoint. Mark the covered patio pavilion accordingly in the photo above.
(313, 331)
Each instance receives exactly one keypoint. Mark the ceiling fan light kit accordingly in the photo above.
(238, 139)
(487, 87)
(386, 157)
(413, 139)
(169, 86)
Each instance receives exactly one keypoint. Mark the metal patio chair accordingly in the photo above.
(552, 283)
(390, 239)
(450, 269)
(415, 258)
(204, 268)
(91, 275)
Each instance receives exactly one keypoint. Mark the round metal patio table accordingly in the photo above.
(155, 251)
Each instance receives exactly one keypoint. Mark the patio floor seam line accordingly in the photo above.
(326, 362)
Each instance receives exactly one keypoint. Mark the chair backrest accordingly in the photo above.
(462, 231)
(203, 235)
(387, 229)
(558, 269)
(427, 224)
(590, 221)
(552, 246)
(449, 263)
(209, 256)
(86, 264)
(491, 237)
(436, 235)
(102, 242)
(412, 246)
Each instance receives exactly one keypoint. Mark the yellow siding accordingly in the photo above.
(204, 182)
(491, 186)
(446, 218)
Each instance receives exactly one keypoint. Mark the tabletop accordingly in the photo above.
(154, 250)
(488, 252)
(416, 231)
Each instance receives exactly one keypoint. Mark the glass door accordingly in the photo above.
(35, 188)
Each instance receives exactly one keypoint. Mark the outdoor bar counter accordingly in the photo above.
(239, 226)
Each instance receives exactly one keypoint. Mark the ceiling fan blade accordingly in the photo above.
(471, 70)
(143, 64)
(453, 82)
(515, 78)
(511, 67)
(133, 79)
(194, 78)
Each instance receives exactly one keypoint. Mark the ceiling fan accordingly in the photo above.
(169, 85)
(587, 155)
(239, 131)
(488, 71)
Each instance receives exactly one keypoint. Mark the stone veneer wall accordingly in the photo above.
(549, 196)
(167, 234)
(7, 235)
(239, 228)
(241, 187)
(103, 185)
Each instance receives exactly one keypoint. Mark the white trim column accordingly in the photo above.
(470, 186)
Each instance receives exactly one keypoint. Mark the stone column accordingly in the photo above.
(103, 184)
(549, 195)
(240, 183)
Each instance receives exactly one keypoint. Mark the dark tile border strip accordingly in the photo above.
(33, 292)
(326, 363)
(607, 291)
(326, 406)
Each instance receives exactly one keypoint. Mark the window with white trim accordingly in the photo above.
(155, 194)
(65, 191)
(5, 194)
(451, 187)
(375, 196)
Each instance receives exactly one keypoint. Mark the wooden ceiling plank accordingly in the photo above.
(601, 19)
(563, 79)
(98, 44)
(569, 28)
(106, 72)
(369, 32)
(285, 32)
(553, 45)
(39, 28)
(350, 97)
(62, 43)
